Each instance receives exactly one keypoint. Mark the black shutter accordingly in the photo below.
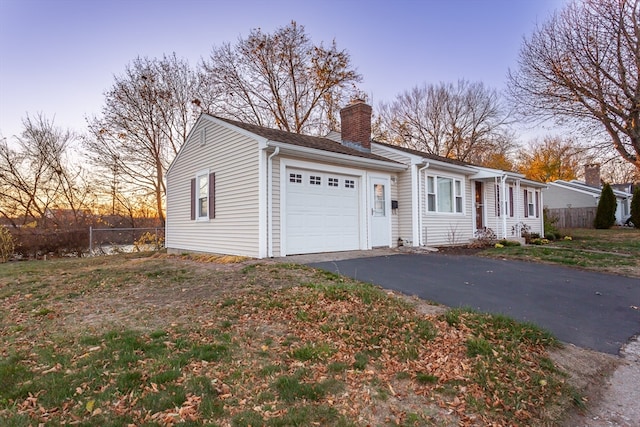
(526, 205)
(193, 199)
(537, 204)
(212, 195)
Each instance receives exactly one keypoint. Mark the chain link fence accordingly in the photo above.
(108, 241)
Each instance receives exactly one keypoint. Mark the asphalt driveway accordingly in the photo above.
(591, 310)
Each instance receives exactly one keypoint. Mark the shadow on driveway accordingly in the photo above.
(591, 310)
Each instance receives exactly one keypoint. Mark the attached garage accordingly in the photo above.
(322, 211)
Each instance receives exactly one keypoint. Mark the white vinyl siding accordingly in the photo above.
(496, 223)
(234, 158)
(402, 218)
(441, 227)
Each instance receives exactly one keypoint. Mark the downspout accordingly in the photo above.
(270, 202)
(505, 205)
(420, 234)
(541, 209)
(496, 205)
(517, 207)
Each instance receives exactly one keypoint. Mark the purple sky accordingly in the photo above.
(58, 57)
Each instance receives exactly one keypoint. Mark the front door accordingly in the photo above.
(479, 206)
(380, 225)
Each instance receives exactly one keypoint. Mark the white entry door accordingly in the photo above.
(380, 207)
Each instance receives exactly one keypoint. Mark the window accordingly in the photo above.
(530, 204)
(444, 194)
(315, 180)
(203, 190)
(203, 196)
(502, 204)
(349, 183)
(431, 194)
(334, 182)
(296, 178)
(379, 205)
(203, 136)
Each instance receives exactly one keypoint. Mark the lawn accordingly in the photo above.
(616, 250)
(162, 340)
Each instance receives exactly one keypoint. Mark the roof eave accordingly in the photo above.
(323, 155)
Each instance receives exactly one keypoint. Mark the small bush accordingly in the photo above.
(538, 241)
(149, 242)
(550, 236)
(505, 242)
(523, 229)
(484, 238)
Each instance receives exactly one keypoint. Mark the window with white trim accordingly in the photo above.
(203, 196)
(315, 180)
(349, 183)
(333, 182)
(202, 204)
(444, 194)
(458, 195)
(531, 203)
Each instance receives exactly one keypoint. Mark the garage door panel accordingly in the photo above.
(324, 217)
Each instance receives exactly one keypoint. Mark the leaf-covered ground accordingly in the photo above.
(164, 340)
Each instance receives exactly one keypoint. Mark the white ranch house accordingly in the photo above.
(240, 189)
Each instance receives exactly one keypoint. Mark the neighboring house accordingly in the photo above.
(241, 189)
(577, 194)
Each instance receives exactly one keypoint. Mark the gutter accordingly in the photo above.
(317, 154)
(504, 204)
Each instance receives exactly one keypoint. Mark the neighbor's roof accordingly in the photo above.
(308, 141)
(581, 186)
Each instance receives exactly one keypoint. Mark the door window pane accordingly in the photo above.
(378, 200)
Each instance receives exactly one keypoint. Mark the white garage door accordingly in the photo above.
(322, 212)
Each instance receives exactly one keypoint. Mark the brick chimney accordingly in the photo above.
(592, 175)
(355, 124)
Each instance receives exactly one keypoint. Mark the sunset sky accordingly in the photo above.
(58, 57)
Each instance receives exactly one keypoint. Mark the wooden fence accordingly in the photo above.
(573, 217)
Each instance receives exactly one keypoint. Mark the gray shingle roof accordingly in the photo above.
(315, 142)
(425, 155)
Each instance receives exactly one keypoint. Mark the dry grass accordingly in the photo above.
(168, 339)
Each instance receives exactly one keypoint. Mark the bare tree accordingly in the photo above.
(550, 159)
(279, 80)
(39, 181)
(582, 69)
(146, 118)
(466, 121)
